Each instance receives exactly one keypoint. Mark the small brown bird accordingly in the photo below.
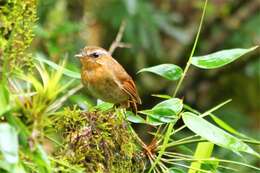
(106, 79)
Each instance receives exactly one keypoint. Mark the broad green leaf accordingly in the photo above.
(166, 111)
(9, 143)
(164, 115)
(226, 126)
(214, 134)
(4, 99)
(219, 122)
(168, 71)
(173, 104)
(134, 117)
(220, 58)
(66, 72)
(152, 121)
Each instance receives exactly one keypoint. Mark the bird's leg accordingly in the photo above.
(133, 106)
(116, 107)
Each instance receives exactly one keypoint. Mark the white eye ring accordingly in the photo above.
(97, 53)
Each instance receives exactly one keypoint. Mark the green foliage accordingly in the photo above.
(214, 134)
(219, 59)
(57, 33)
(66, 72)
(196, 123)
(9, 143)
(168, 71)
(203, 151)
(17, 19)
(164, 112)
(4, 99)
(99, 142)
(37, 100)
(34, 101)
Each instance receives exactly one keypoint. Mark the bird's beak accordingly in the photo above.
(80, 55)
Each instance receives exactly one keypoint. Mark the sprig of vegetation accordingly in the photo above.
(17, 19)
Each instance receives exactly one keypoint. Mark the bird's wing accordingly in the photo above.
(123, 79)
(129, 87)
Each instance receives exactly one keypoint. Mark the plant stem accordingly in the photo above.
(185, 166)
(203, 151)
(185, 142)
(173, 144)
(192, 51)
(213, 159)
(164, 145)
(206, 113)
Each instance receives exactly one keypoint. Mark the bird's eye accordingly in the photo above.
(95, 55)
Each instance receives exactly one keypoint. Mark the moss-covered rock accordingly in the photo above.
(99, 142)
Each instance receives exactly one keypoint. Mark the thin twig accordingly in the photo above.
(59, 102)
(117, 42)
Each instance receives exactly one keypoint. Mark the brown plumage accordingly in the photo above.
(106, 79)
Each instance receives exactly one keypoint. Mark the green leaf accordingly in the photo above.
(166, 111)
(66, 72)
(168, 71)
(152, 121)
(134, 117)
(219, 122)
(4, 99)
(21, 128)
(103, 106)
(226, 126)
(220, 58)
(214, 134)
(9, 143)
(38, 155)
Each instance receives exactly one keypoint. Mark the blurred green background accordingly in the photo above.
(163, 31)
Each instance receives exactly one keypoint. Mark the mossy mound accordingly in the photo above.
(99, 142)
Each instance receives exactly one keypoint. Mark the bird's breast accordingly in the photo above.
(101, 83)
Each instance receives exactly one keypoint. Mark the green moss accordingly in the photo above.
(17, 18)
(99, 142)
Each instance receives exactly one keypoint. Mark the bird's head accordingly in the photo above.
(91, 54)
